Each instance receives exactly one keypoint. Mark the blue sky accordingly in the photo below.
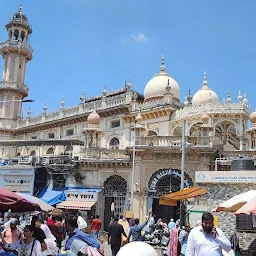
(82, 45)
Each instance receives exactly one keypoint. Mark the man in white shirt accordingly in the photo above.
(82, 225)
(206, 240)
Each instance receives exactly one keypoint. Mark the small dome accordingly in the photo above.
(205, 94)
(19, 16)
(205, 118)
(253, 117)
(157, 86)
(138, 118)
(93, 118)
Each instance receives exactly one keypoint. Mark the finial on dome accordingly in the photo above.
(240, 97)
(188, 98)
(129, 84)
(44, 108)
(105, 92)
(168, 87)
(29, 112)
(82, 98)
(229, 100)
(205, 82)
(245, 101)
(162, 68)
(62, 103)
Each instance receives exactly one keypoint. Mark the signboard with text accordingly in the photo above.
(73, 195)
(225, 177)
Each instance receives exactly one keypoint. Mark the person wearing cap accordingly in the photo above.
(11, 235)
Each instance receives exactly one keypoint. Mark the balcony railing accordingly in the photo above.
(16, 44)
(104, 154)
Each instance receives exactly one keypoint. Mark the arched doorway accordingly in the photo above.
(161, 183)
(115, 190)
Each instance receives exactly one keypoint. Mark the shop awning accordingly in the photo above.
(186, 193)
(76, 205)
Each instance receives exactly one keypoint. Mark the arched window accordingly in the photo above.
(32, 153)
(114, 143)
(50, 151)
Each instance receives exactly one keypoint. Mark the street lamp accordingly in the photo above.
(138, 119)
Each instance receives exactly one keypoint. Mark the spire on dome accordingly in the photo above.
(245, 101)
(62, 102)
(205, 82)
(229, 100)
(105, 92)
(129, 84)
(82, 98)
(240, 97)
(44, 108)
(29, 112)
(168, 87)
(162, 68)
(189, 97)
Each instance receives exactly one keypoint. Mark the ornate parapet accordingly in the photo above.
(104, 154)
(209, 108)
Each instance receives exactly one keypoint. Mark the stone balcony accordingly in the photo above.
(15, 44)
(13, 86)
(209, 108)
(172, 141)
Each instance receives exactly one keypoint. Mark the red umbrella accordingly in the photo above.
(10, 200)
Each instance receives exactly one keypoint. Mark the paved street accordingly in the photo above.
(107, 250)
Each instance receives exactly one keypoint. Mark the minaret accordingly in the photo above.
(16, 52)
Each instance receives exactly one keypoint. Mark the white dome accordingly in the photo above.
(253, 117)
(205, 95)
(137, 249)
(158, 85)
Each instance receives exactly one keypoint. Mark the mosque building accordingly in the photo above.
(99, 134)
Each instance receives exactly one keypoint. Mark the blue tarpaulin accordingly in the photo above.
(56, 195)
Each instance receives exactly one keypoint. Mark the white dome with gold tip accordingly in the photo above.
(205, 94)
(156, 87)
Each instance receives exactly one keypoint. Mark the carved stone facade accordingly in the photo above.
(99, 132)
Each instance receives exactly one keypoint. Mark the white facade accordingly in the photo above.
(105, 126)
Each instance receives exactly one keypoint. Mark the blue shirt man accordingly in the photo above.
(183, 239)
(76, 234)
(135, 230)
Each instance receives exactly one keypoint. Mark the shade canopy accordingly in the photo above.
(14, 202)
(248, 208)
(172, 198)
(43, 205)
(236, 202)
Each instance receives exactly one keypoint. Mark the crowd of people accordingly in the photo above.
(203, 239)
(38, 235)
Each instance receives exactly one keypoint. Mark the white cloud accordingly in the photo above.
(136, 37)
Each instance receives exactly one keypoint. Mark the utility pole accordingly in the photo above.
(183, 148)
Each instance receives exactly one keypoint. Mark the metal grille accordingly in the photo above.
(115, 186)
(119, 204)
(166, 185)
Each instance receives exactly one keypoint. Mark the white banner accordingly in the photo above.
(225, 177)
(81, 196)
